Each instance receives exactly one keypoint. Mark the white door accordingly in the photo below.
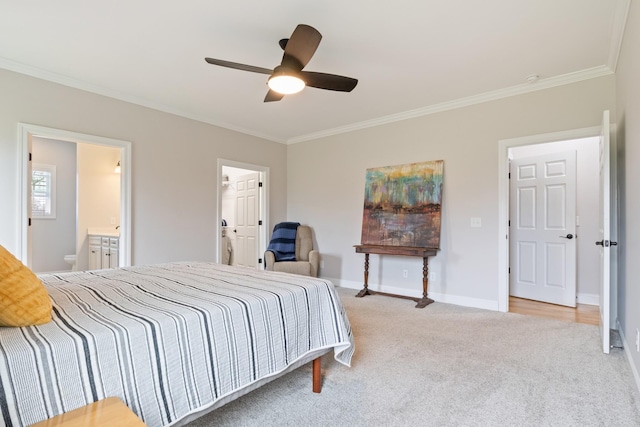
(246, 220)
(605, 233)
(543, 228)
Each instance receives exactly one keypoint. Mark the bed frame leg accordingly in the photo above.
(317, 376)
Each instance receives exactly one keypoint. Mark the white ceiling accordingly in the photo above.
(412, 57)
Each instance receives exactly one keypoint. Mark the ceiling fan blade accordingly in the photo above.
(300, 47)
(273, 96)
(238, 66)
(328, 81)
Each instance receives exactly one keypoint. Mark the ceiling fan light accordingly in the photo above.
(285, 84)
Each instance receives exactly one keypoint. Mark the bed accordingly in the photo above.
(172, 341)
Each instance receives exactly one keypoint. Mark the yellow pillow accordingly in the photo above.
(24, 300)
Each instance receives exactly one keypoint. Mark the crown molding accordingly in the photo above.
(39, 73)
(419, 112)
(541, 84)
(617, 33)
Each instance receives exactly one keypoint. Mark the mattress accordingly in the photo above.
(170, 340)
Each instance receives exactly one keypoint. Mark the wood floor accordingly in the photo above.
(589, 314)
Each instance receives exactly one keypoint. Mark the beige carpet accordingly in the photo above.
(450, 366)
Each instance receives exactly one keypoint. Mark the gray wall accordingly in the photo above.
(628, 99)
(326, 186)
(174, 165)
(52, 239)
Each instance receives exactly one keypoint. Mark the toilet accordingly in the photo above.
(71, 260)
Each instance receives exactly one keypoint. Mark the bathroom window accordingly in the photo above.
(43, 191)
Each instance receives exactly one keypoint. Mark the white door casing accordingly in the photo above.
(604, 230)
(246, 219)
(543, 228)
(29, 202)
(25, 132)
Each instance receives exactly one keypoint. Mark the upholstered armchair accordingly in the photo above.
(307, 259)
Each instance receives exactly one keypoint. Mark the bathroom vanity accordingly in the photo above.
(103, 249)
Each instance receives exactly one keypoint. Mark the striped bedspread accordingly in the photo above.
(167, 339)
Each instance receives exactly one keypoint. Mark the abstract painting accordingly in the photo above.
(402, 205)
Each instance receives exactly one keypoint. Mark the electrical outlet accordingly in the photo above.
(432, 276)
(637, 340)
(322, 264)
(113, 220)
(476, 222)
(405, 274)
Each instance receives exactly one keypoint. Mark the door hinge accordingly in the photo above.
(29, 222)
(260, 222)
(509, 270)
(29, 156)
(259, 184)
(509, 175)
(509, 223)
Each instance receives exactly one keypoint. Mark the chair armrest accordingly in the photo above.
(269, 260)
(314, 260)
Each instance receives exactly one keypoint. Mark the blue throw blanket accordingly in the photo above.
(283, 241)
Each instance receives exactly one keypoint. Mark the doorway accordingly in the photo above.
(587, 292)
(75, 188)
(242, 213)
(27, 133)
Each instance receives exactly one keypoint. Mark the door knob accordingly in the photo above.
(568, 236)
(606, 243)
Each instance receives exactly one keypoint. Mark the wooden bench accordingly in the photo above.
(103, 413)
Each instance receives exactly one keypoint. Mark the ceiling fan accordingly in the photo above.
(288, 77)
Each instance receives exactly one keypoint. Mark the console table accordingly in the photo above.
(425, 253)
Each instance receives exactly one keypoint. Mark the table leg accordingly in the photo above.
(365, 290)
(425, 300)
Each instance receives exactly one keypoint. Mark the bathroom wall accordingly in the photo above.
(98, 194)
(53, 238)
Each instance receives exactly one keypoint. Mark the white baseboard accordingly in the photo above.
(444, 298)
(588, 299)
(627, 352)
